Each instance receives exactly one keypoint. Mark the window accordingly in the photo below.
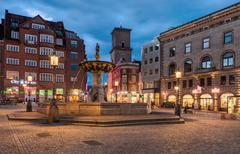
(32, 63)
(45, 64)
(12, 61)
(46, 51)
(14, 35)
(150, 60)
(184, 84)
(74, 55)
(151, 48)
(231, 79)
(73, 79)
(209, 81)
(38, 26)
(157, 47)
(59, 41)
(190, 83)
(206, 43)
(59, 78)
(156, 59)
(145, 73)
(60, 53)
(228, 59)
(206, 63)
(172, 69)
(31, 50)
(202, 82)
(34, 75)
(46, 38)
(145, 62)
(31, 39)
(123, 45)
(12, 75)
(45, 77)
(169, 85)
(74, 67)
(188, 47)
(188, 66)
(61, 66)
(13, 48)
(156, 71)
(74, 44)
(228, 37)
(133, 78)
(223, 80)
(172, 52)
(174, 83)
(145, 50)
(124, 79)
(150, 72)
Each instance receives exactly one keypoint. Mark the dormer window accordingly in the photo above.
(38, 26)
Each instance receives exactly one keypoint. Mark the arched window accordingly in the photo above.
(206, 62)
(188, 66)
(228, 59)
(172, 69)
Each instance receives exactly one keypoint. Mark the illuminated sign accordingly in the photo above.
(22, 82)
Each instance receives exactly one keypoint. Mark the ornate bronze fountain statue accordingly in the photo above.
(97, 67)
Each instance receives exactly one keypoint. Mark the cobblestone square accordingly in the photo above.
(201, 133)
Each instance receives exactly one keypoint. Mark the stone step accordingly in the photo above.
(180, 121)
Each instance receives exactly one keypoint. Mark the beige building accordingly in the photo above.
(150, 71)
(207, 52)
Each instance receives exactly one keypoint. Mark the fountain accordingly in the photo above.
(97, 67)
(96, 103)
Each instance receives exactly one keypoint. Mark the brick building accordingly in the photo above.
(26, 43)
(206, 51)
(127, 72)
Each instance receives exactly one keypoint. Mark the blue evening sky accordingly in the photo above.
(94, 20)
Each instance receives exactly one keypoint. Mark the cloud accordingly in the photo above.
(33, 12)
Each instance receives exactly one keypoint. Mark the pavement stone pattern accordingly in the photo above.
(202, 133)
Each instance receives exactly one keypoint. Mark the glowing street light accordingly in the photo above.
(178, 76)
(116, 83)
(53, 111)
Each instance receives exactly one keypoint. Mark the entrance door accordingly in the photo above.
(206, 102)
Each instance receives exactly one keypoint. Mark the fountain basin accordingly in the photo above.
(96, 109)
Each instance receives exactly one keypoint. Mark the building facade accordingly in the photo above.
(27, 43)
(150, 69)
(206, 52)
(124, 81)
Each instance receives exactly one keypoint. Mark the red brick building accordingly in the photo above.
(26, 43)
(127, 72)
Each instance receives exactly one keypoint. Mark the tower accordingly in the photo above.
(121, 46)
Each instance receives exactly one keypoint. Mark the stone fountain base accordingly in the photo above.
(96, 109)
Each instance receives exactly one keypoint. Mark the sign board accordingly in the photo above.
(21, 82)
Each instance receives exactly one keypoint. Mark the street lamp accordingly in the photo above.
(177, 88)
(29, 103)
(215, 91)
(111, 90)
(116, 85)
(53, 111)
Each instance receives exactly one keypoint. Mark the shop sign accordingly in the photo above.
(21, 82)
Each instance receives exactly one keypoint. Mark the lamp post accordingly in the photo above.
(29, 103)
(53, 111)
(215, 91)
(177, 88)
(116, 85)
(111, 90)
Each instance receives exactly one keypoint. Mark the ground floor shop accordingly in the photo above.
(207, 101)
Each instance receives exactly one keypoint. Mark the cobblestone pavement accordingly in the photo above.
(202, 133)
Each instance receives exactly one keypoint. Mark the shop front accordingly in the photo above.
(206, 102)
(188, 101)
(225, 100)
